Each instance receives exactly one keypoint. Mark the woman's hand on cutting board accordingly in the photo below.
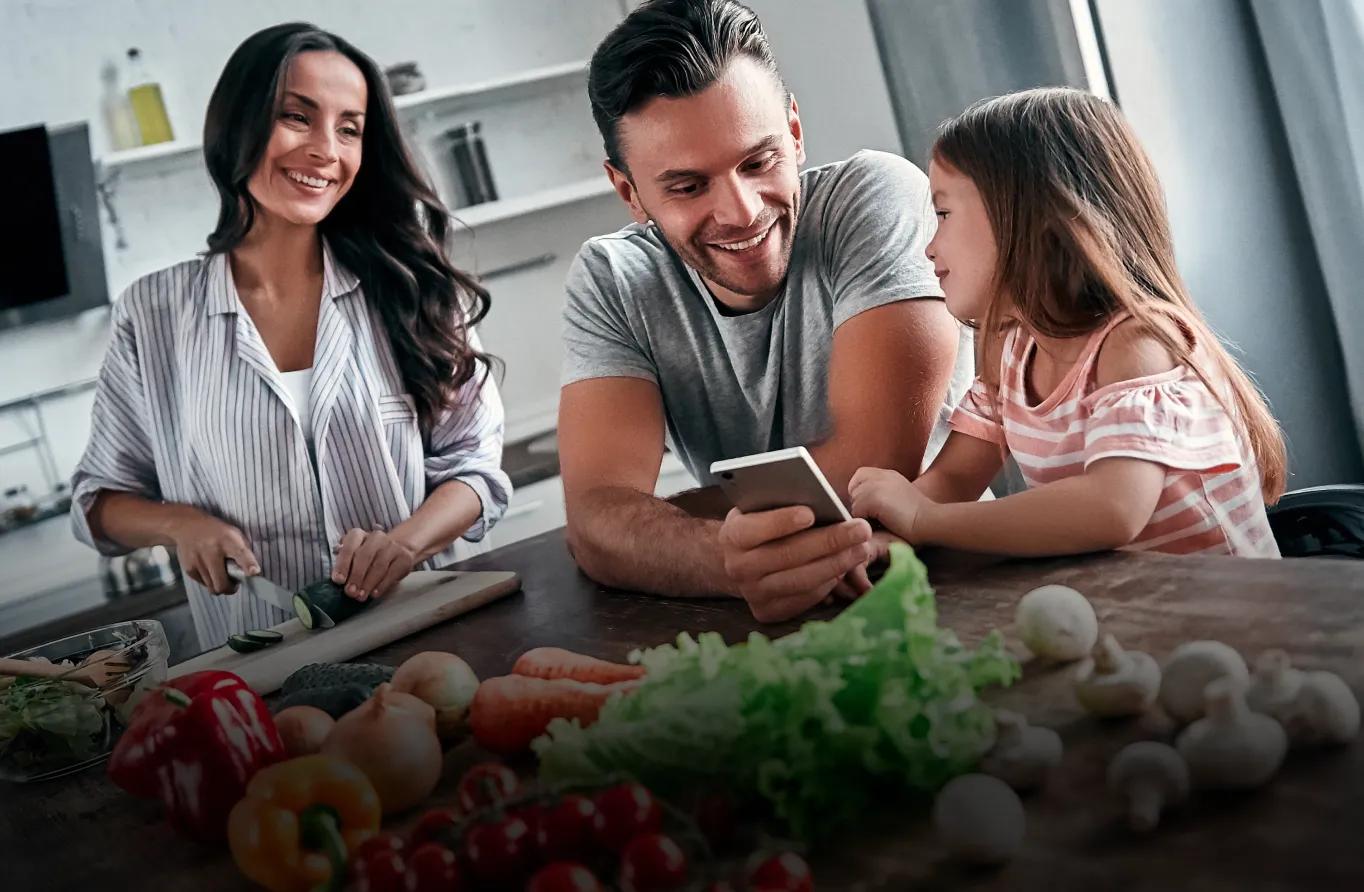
(370, 563)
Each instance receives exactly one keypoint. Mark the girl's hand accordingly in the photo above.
(886, 496)
(203, 543)
(370, 564)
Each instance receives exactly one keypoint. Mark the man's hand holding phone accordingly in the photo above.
(776, 556)
(782, 565)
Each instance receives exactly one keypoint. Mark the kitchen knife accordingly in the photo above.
(263, 588)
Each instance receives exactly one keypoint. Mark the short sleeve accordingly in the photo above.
(1176, 423)
(976, 415)
(878, 221)
(598, 342)
(119, 455)
(466, 445)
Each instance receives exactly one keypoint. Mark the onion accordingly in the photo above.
(391, 737)
(303, 729)
(445, 682)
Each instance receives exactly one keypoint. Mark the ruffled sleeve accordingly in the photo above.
(976, 415)
(1176, 423)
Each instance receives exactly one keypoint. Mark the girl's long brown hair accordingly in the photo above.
(1082, 234)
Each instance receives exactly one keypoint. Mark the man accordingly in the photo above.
(750, 307)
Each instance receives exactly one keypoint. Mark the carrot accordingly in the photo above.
(555, 662)
(510, 711)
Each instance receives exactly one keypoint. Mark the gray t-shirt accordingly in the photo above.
(736, 385)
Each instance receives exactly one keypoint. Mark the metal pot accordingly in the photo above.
(148, 568)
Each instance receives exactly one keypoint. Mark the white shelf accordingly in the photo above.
(517, 86)
(523, 205)
(147, 154)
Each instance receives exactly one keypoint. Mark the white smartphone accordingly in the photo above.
(779, 479)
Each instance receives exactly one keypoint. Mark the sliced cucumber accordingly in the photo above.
(264, 636)
(244, 645)
(323, 604)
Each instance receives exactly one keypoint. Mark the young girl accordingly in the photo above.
(1131, 424)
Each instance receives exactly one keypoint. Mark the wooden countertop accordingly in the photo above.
(1300, 832)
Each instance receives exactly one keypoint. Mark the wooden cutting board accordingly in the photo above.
(423, 599)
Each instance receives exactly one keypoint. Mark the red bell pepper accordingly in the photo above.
(194, 743)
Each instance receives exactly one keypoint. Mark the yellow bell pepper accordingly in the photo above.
(299, 820)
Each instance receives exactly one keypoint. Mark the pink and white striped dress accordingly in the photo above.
(1211, 502)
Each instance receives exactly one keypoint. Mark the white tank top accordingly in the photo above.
(298, 384)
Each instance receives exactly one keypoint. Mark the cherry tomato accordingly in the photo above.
(714, 815)
(433, 826)
(485, 784)
(564, 876)
(497, 851)
(378, 865)
(786, 872)
(652, 862)
(565, 828)
(624, 812)
(432, 868)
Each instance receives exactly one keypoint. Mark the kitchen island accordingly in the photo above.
(1299, 832)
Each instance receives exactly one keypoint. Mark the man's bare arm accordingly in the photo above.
(611, 446)
(610, 449)
(888, 377)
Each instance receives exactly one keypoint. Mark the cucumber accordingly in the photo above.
(244, 645)
(323, 604)
(334, 700)
(265, 636)
(325, 675)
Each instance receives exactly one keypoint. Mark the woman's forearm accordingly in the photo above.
(448, 513)
(136, 522)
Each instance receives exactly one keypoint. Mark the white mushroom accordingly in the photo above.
(979, 818)
(1189, 670)
(1324, 712)
(1116, 682)
(1274, 686)
(1022, 755)
(1149, 776)
(1056, 623)
(1232, 747)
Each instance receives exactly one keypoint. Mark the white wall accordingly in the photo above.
(1191, 78)
(827, 53)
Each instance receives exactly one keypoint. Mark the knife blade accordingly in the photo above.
(262, 588)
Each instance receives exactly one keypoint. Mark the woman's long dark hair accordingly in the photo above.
(389, 229)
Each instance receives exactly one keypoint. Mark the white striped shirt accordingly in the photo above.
(190, 408)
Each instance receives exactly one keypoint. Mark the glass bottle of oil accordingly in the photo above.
(148, 107)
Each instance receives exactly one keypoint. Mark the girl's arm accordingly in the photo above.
(962, 470)
(1105, 507)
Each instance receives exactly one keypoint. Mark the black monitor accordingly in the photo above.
(51, 249)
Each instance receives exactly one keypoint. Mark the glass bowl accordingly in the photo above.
(50, 727)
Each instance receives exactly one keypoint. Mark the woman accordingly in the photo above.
(308, 398)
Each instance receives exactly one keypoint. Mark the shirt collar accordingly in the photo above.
(220, 293)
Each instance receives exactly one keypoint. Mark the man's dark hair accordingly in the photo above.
(670, 48)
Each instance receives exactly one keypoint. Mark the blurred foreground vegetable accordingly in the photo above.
(819, 723)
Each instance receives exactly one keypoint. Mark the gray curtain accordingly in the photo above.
(939, 56)
(1315, 52)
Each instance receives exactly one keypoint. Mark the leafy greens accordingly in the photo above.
(817, 723)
